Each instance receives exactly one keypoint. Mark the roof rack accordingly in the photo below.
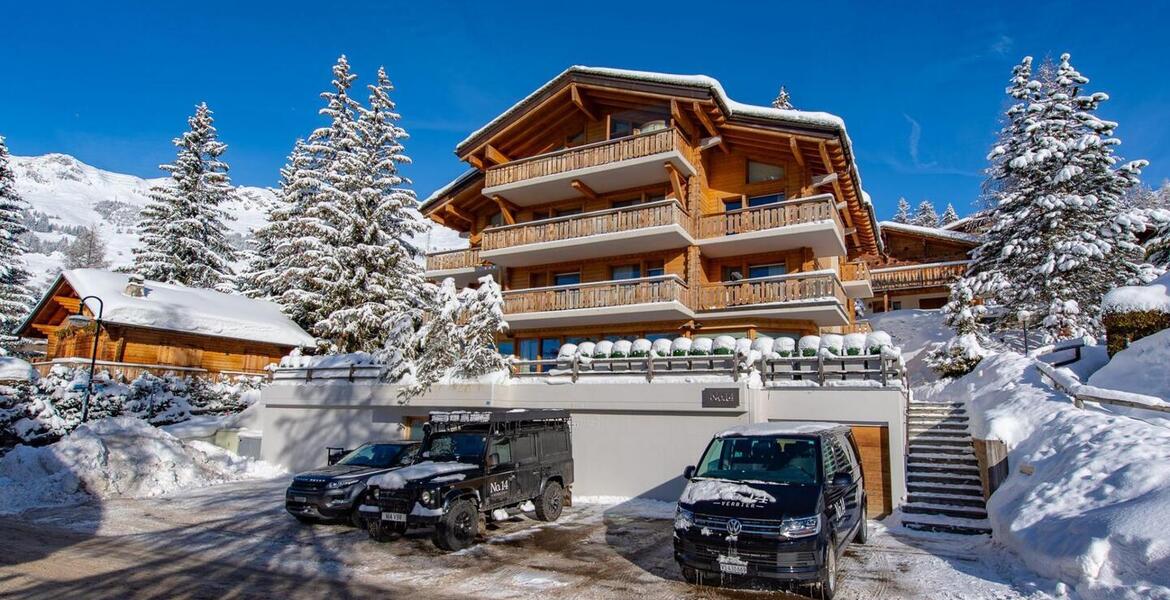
(469, 417)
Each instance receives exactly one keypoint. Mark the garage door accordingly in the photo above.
(874, 445)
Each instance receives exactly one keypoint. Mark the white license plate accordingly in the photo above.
(732, 568)
(396, 517)
(300, 499)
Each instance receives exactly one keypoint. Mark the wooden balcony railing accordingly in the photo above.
(917, 276)
(600, 294)
(454, 259)
(854, 271)
(651, 214)
(797, 287)
(821, 207)
(589, 155)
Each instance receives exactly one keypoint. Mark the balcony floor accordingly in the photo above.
(823, 237)
(636, 241)
(621, 175)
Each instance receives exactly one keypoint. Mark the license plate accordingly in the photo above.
(396, 517)
(301, 499)
(732, 566)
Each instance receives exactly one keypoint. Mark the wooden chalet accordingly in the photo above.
(157, 327)
(624, 204)
(918, 265)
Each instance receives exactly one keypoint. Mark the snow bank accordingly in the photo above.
(328, 361)
(14, 369)
(714, 489)
(1142, 368)
(1093, 510)
(915, 330)
(116, 457)
(1135, 298)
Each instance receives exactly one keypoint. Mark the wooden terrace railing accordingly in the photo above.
(453, 259)
(629, 218)
(600, 294)
(589, 155)
(821, 207)
(855, 271)
(795, 287)
(917, 276)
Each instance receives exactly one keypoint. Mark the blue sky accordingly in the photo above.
(920, 86)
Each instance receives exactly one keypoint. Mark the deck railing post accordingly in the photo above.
(576, 365)
(650, 366)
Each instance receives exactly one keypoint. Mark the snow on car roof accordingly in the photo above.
(179, 308)
(779, 428)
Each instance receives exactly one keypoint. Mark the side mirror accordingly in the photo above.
(493, 460)
(689, 472)
(842, 479)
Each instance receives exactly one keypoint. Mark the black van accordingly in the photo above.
(777, 501)
(335, 492)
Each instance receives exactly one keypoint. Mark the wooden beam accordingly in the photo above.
(581, 103)
(705, 119)
(46, 329)
(796, 153)
(848, 215)
(676, 182)
(506, 209)
(822, 180)
(455, 212)
(494, 155)
(534, 110)
(476, 162)
(71, 304)
(681, 120)
(585, 190)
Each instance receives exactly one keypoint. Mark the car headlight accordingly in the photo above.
(683, 518)
(429, 498)
(803, 527)
(337, 484)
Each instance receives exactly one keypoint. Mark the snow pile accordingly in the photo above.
(297, 360)
(14, 369)
(396, 480)
(1154, 297)
(117, 457)
(1142, 368)
(916, 331)
(713, 489)
(1091, 511)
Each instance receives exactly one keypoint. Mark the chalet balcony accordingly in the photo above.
(811, 222)
(464, 266)
(643, 159)
(910, 277)
(635, 229)
(661, 298)
(856, 279)
(816, 296)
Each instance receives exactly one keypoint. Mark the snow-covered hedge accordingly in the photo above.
(809, 345)
(746, 349)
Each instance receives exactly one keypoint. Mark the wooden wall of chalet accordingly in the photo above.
(156, 347)
(908, 248)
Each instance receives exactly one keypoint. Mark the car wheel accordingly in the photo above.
(550, 503)
(863, 531)
(828, 583)
(379, 532)
(355, 516)
(458, 528)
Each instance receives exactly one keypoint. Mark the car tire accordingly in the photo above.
(828, 583)
(550, 503)
(379, 532)
(457, 528)
(863, 531)
(355, 516)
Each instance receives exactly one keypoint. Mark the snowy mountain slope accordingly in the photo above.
(65, 194)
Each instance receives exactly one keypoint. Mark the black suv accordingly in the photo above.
(493, 464)
(335, 492)
(777, 501)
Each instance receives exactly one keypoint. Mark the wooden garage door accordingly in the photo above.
(874, 445)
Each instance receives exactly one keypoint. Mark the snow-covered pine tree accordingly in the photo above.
(271, 242)
(783, 100)
(1158, 246)
(376, 273)
(950, 215)
(87, 251)
(959, 355)
(925, 216)
(483, 319)
(182, 237)
(15, 297)
(1057, 242)
(903, 214)
(437, 342)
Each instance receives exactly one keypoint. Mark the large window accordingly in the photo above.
(568, 212)
(549, 348)
(765, 200)
(572, 278)
(506, 347)
(625, 272)
(759, 172)
(618, 129)
(769, 270)
(626, 203)
(655, 268)
(496, 220)
(732, 273)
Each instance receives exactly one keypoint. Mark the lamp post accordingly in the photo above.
(82, 320)
(1023, 317)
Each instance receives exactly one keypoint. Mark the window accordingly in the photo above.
(502, 447)
(758, 172)
(567, 212)
(537, 280)
(529, 350)
(567, 278)
(506, 347)
(896, 305)
(771, 270)
(732, 273)
(576, 340)
(540, 215)
(625, 272)
(549, 348)
(730, 205)
(619, 129)
(765, 200)
(554, 442)
(496, 220)
(625, 203)
(576, 139)
(524, 450)
(655, 197)
(660, 336)
(655, 268)
(789, 460)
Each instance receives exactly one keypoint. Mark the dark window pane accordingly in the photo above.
(626, 272)
(567, 278)
(730, 205)
(625, 203)
(755, 271)
(758, 171)
(732, 273)
(524, 450)
(619, 129)
(506, 347)
(765, 200)
(568, 212)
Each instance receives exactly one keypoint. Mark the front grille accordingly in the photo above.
(308, 485)
(718, 525)
(391, 502)
(710, 552)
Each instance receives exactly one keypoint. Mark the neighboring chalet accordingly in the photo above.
(158, 327)
(918, 265)
(623, 204)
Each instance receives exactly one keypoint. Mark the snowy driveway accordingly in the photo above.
(235, 540)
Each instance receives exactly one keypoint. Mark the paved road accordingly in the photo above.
(234, 541)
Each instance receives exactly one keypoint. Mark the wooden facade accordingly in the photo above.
(739, 214)
(918, 266)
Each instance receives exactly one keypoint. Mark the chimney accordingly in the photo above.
(136, 287)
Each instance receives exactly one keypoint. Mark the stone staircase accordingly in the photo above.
(942, 475)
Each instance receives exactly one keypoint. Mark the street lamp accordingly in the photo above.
(83, 320)
(1023, 316)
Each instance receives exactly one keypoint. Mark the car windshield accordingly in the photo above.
(376, 455)
(775, 459)
(458, 446)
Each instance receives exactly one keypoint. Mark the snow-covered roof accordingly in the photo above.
(779, 428)
(178, 308)
(454, 183)
(1137, 298)
(946, 234)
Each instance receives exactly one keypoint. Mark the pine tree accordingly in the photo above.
(436, 343)
(88, 251)
(925, 216)
(1057, 242)
(15, 297)
(1158, 246)
(950, 215)
(265, 277)
(182, 237)
(903, 214)
(783, 100)
(484, 318)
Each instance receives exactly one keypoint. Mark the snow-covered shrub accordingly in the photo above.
(621, 349)
(567, 352)
(854, 344)
(681, 346)
(603, 349)
(833, 343)
(723, 345)
(957, 356)
(763, 344)
(661, 347)
(585, 349)
(743, 347)
(14, 399)
(640, 348)
(222, 396)
(876, 340)
(701, 347)
(786, 346)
